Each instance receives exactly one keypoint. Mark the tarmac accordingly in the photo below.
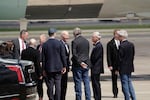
(141, 76)
(142, 89)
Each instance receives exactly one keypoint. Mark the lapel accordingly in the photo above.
(67, 51)
(114, 44)
(95, 46)
(17, 43)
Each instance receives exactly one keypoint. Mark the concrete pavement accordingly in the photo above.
(142, 89)
(141, 76)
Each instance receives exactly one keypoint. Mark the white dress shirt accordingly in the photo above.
(22, 45)
(117, 43)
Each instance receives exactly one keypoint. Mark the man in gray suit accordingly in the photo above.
(80, 64)
(20, 44)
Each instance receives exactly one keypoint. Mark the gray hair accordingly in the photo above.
(77, 31)
(123, 33)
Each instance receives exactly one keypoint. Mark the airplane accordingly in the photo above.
(12, 9)
(73, 9)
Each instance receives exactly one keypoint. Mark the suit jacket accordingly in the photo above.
(53, 56)
(112, 54)
(67, 53)
(126, 56)
(32, 54)
(40, 52)
(16, 49)
(80, 51)
(97, 66)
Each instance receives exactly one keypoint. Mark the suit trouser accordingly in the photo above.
(114, 77)
(64, 85)
(40, 88)
(54, 79)
(95, 78)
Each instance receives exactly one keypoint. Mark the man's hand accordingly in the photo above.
(70, 68)
(41, 77)
(63, 71)
(84, 65)
(117, 72)
(110, 68)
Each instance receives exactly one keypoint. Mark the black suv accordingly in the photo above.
(17, 80)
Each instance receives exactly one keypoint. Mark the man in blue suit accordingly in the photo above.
(126, 66)
(54, 64)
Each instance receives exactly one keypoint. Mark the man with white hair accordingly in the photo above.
(96, 65)
(64, 79)
(126, 66)
(32, 54)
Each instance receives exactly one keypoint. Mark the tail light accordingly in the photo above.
(15, 99)
(19, 72)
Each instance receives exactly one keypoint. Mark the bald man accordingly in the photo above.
(32, 54)
(20, 44)
(96, 65)
(64, 39)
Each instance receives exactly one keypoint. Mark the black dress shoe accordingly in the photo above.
(115, 96)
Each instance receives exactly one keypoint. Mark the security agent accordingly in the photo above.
(54, 64)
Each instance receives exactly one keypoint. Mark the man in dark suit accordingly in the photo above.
(32, 54)
(42, 39)
(96, 65)
(53, 64)
(126, 66)
(64, 38)
(20, 44)
(80, 64)
(113, 61)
